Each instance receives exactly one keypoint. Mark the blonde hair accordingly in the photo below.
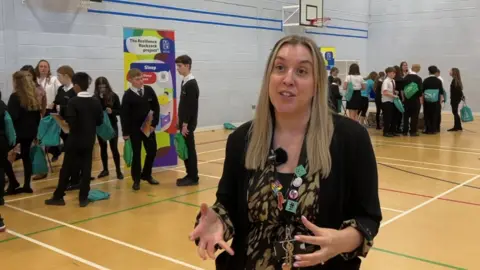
(134, 72)
(26, 91)
(416, 68)
(320, 127)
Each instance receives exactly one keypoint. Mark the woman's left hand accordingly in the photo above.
(328, 240)
(109, 111)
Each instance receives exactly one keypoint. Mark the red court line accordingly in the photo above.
(427, 196)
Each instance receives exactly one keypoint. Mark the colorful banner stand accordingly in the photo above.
(153, 52)
(329, 54)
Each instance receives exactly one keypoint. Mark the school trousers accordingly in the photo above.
(410, 116)
(150, 145)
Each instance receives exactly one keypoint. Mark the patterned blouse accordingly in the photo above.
(265, 220)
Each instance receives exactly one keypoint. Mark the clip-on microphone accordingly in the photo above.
(278, 156)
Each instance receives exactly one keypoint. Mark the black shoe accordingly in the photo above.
(23, 190)
(187, 182)
(84, 203)
(389, 135)
(414, 134)
(55, 201)
(120, 175)
(2, 225)
(104, 173)
(151, 181)
(136, 186)
(2, 201)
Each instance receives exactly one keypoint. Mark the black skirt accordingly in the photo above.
(355, 102)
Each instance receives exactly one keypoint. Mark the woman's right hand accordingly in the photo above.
(210, 232)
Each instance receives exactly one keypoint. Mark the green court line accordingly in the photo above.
(374, 248)
(418, 259)
(111, 213)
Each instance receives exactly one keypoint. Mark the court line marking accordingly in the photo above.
(51, 192)
(392, 210)
(111, 168)
(126, 177)
(435, 149)
(429, 201)
(57, 250)
(116, 241)
(430, 145)
(428, 169)
(429, 163)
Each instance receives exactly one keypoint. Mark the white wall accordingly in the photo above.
(428, 32)
(228, 60)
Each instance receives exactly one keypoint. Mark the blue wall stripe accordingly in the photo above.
(192, 10)
(182, 20)
(346, 28)
(335, 35)
(219, 14)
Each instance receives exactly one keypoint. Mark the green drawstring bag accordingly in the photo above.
(128, 153)
(98, 195)
(398, 104)
(39, 162)
(466, 113)
(229, 126)
(181, 146)
(431, 95)
(349, 94)
(9, 129)
(410, 90)
(48, 132)
(105, 130)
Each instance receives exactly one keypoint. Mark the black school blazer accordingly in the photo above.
(349, 192)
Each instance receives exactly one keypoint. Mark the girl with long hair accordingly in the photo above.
(456, 95)
(355, 103)
(111, 104)
(294, 175)
(370, 82)
(47, 81)
(39, 91)
(25, 110)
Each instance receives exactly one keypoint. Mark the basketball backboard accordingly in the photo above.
(308, 13)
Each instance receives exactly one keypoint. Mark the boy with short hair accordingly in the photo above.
(388, 95)
(412, 103)
(137, 102)
(188, 117)
(83, 115)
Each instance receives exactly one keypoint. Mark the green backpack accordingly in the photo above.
(410, 90)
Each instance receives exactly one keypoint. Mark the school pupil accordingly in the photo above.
(355, 103)
(4, 148)
(39, 91)
(456, 95)
(188, 117)
(83, 114)
(365, 93)
(412, 100)
(111, 104)
(388, 94)
(378, 97)
(334, 94)
(25, 110)
(137, 102)
(433, 93)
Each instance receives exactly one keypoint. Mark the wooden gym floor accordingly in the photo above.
(429, 189)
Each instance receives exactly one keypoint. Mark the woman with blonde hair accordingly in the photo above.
(299, 185)
(25, 110)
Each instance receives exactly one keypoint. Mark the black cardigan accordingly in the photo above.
(350, 191)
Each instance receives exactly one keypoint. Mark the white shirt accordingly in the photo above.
(134, 89)
(387, 85)
(187, 78)
(357, 81)
(50, 85)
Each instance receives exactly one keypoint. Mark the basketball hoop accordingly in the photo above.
(319, 22)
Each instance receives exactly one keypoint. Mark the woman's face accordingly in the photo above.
(405, 67)
(451, 73)
(292, 83)
(43, 68)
